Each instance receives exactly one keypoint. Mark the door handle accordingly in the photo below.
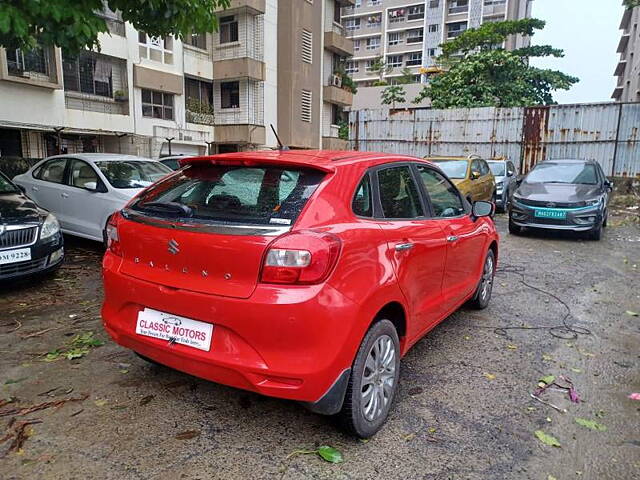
(64, 195)
(452, 238)
(401, 247)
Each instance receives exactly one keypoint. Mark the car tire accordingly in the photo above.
(513, 228)
(606, 218)
(482, 297)
(596, 233)
(379, 356)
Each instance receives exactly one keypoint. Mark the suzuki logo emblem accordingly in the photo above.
(173, 247)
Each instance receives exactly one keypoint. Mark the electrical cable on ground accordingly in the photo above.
(564, 330)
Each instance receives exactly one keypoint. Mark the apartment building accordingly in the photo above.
(271, 63)
(628, 67)
(406, 34)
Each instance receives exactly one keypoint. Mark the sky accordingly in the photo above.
(587, 31)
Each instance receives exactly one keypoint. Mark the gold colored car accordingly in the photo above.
(471, 175)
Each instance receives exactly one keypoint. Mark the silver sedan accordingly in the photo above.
(83, 190)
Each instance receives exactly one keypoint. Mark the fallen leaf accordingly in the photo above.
(147, 399)
(593, 425)
(546, 380)
(100, 403)
(330, 454)
(549, 419)
(512, 347)
(551, 477)
(633, 314)
(432, 430)
(188, 435)
(575, 370)
(489, 376)
(12, 381)
(547, 358)
(635, 396)
(546, 439)
(409, 437)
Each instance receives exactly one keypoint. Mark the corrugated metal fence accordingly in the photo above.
(607, 132)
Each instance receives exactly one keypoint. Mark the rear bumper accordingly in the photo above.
(293, 343)
(577, 220)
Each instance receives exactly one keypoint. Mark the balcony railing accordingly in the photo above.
(250, 110)
(250, 43)
(455, 33)
(454, 9)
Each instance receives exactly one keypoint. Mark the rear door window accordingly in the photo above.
(232, 194)
(52, 171)
(362, 205)
(399, 196)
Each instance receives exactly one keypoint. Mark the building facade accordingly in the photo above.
(270, 63)
(628, 68)
(406, 34)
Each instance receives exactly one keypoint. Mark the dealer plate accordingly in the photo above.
(14, 256)
(550, 213)
(174, 329)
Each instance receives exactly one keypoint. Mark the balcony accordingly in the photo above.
(239, 114)
(336, 41)
(337, 95)
(624, 41)
(626, 18)
(239, 68)
(242, 55)
(454, 33)
(620, 68)
(617, 93)
(254, 7)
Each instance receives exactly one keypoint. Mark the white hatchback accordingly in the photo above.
(83, 190)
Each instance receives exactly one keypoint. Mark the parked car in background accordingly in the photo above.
(471, 175)
(83, 190)
(504, 172)
(30, 238)
(562, 195)
(173, 161)
(307, 284)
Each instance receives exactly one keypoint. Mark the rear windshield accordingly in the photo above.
(266, 195)
(454, 168)
(132, 173)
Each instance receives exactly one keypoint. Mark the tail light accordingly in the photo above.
(301, 258)
(113, 239)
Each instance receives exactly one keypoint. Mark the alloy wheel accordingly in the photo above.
(487, 278)
(378, 378)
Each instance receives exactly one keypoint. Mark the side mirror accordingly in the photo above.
(475, 175)
(510, 173)
(482, 209)
(91, 186)
(608, 185)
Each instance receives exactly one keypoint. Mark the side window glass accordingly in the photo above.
(445, 199)
(53, 171)
(362, 205)
(399, 194)
(83, 175)
(475, 166)
(484, 168)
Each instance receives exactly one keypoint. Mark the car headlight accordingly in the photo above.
(50, 227)
(499, 185)
(592, 203)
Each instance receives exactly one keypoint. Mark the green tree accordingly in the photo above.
(478, 72)
(393, 94)
(74, 25)
(631, 3)
(380, 67)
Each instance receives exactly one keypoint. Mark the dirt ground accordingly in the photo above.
(463, 411)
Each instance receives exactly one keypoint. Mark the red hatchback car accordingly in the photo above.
(296, 274)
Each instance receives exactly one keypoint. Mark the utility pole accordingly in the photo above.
(169, 140)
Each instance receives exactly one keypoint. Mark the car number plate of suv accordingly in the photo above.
(550, 213)
(174, 329)
(14, 256)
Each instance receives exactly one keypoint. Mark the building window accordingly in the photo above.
(351, 67)
(230, 95)
(306, 99)
(374, 21)
(157, 104)
(431, 52)
(198, 95)
(228, 29)
(336, 11)
(356, 45)
(373, 3)
(157, 49)
(455, 29)
(397, 15)
(458, 6)
(352, 24)
(88, 73)
(434, 3)
(198, 40)
(434, 27)
(369, 65)
(414, 58)
(394, 61)
(20, 62)
(373, 43)
(394, 38)
(416, 12)
(306, 49)
(415, 35)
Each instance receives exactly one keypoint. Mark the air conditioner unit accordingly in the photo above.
(336, 81)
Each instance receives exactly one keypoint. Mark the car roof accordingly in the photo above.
(101, 157)
(327, 160)
(450, 159)
(568, 160)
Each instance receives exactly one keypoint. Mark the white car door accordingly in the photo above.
(44, 186)
(86, 200)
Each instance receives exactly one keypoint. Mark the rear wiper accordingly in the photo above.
(173, 207)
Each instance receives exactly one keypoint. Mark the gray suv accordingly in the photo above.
(505, 174)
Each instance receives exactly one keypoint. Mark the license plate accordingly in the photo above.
(13, 256)
(174, 329)
(550, 213)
